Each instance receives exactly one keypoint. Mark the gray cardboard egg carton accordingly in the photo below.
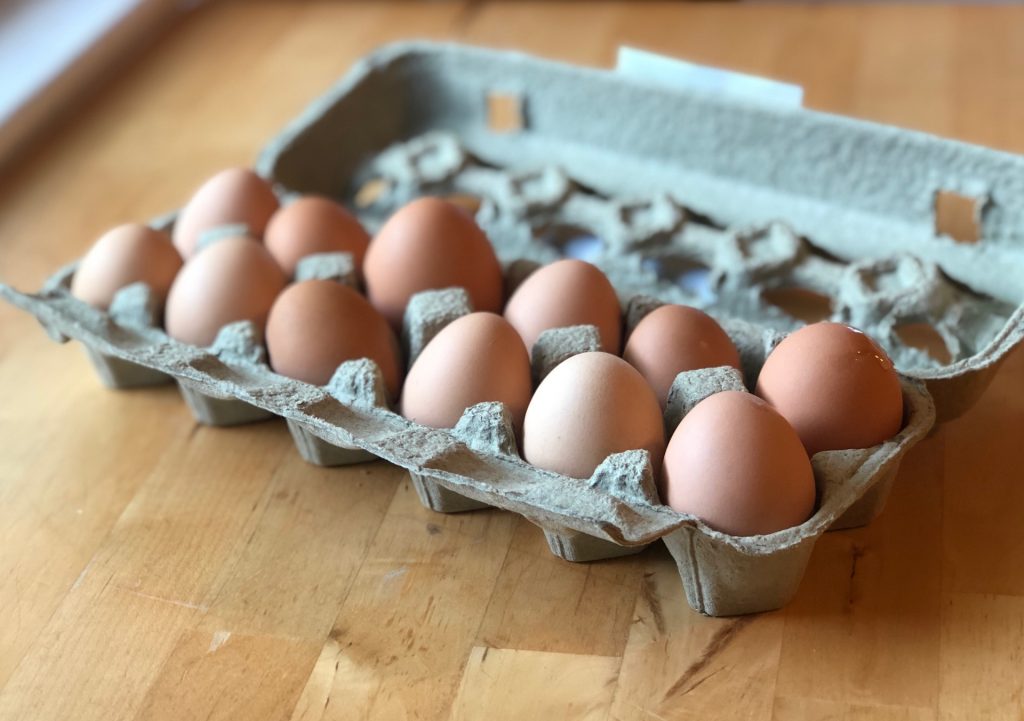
(412, 119)
(613, 513)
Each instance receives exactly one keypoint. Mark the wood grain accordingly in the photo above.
(154, 569)
(504, 684)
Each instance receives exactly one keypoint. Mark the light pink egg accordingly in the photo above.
(588, 407)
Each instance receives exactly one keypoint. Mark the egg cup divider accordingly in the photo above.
(484, 428)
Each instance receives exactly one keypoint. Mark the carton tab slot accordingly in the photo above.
(505, 112)
(958, 216)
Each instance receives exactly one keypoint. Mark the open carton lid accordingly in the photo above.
(736, 149)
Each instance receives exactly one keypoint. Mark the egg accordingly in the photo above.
(565, 293)
(736, 464)
(430, 244)
(313, 225)
(231, 280)
(676, 338)
(232, 196)
(476, 358)
(130, 253)
(835, 385)
(316, 325)
(590, 406)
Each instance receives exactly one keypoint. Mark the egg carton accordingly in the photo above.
(476, 464)
(413, 119)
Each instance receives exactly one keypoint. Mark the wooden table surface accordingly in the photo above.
(154, 569)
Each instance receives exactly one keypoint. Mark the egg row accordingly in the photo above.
(739, 461)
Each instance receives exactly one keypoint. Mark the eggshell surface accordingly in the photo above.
(736, 464)
(835, 386)
(231, 280)
(312, 225)
(316, 325)
(232, 196)
(430, 244)
(130, 253)
(476, 358)
(676, 338)
(590, 406)
(566, 293)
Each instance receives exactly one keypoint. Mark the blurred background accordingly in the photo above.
(53, 51)
(55, 54)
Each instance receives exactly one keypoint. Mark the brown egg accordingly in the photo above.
(430, 244)
(677, 338)
(478, 357)
(316, 325)
(564, 293)
(235, 195)
(130, 253)
(234, 279)
(313, 225)
(736, 464)
(835, 386)
(588, 407)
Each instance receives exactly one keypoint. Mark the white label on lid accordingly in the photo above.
(682, 75)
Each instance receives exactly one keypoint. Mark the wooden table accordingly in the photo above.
(154, 569)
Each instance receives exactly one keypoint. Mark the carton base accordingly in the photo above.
(869, 506)
(211, 411)
(117, 373)
(438, 498)
(721, 580)
(581, 548)
(319, 452)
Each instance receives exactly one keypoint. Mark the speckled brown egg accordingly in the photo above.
(232, 196)
(588, 407)
(430, 244)
(130, 253)
(231, 280)
(835, 386)
(476, 358)
(566, 293)
(736, 464)
(312, 225)
(316, 325)
(676, 338)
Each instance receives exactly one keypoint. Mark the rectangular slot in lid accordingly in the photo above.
(958, 216)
